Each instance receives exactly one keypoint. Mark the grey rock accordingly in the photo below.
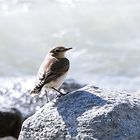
(90, 113)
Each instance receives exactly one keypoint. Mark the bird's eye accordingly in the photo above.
(57, 50)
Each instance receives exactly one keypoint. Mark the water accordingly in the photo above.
(105, 36)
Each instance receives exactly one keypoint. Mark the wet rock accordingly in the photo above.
(10, 122)
(88, 113)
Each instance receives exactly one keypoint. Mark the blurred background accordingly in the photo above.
(104, 35)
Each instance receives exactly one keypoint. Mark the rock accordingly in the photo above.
(10, 122)
(90, 113)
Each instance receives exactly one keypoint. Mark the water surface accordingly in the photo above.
(105, 36)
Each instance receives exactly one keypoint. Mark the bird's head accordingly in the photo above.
(59, 51)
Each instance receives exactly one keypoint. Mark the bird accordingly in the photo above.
(52, 71)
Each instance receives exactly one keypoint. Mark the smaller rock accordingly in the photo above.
(10, 122)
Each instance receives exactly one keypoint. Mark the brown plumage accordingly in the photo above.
(53, 70)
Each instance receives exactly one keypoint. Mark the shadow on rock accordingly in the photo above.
(73, 107)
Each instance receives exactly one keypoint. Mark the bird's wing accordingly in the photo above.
(57, 69)
(50, 72)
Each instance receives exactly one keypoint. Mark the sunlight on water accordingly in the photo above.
(104, 36)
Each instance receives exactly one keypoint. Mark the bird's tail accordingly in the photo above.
(35, 91)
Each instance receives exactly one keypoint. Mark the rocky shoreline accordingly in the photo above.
(16, 104)
(86, 113)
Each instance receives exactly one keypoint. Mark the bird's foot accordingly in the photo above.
(63, 94)
(57, 90)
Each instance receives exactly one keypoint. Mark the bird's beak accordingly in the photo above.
(68, 49)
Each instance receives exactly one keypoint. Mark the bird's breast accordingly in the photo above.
(56, 83)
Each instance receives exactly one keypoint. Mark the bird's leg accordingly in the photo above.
(46, 95)
(58, 91)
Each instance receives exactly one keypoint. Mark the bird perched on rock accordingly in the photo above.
(52, 71)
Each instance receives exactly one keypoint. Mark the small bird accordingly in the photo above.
(52, 71)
